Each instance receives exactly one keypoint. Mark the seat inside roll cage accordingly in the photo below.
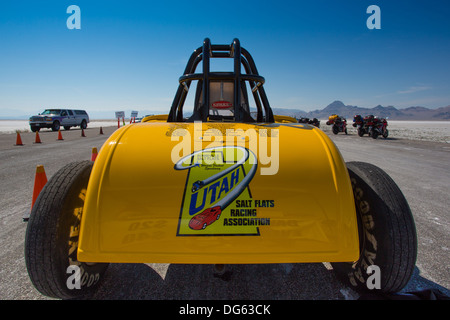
(222, 96)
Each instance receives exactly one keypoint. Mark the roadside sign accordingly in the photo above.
(120, 114)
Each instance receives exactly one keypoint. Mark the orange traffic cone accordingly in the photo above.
(60, 135)
(40, 179)
(38, 139)
(18, 140)
(82, 133)
(101, 130)
(94, 154)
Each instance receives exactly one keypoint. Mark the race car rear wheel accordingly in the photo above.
(388, 241)
(51, 240)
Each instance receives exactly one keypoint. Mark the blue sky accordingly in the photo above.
(129, 54)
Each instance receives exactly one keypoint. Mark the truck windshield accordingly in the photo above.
(52, 111)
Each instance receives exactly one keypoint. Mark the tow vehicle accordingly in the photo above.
(56, 118)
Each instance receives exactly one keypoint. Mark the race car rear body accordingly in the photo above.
(295, 206)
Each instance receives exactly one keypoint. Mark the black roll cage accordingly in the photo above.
(241, 57)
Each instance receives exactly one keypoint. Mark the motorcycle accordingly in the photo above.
(339, 124)
(375, 127)
(315, 122)
(379, 128)
(360, 124)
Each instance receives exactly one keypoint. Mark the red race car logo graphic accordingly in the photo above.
(204, 219)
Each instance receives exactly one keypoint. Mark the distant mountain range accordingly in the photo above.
(336, 107)
(347, 111)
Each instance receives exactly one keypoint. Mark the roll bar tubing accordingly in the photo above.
(241, 57)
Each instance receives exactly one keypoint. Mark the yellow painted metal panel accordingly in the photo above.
(219, 193)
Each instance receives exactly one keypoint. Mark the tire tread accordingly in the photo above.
(41, 258)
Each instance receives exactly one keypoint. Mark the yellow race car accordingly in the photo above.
(224, 182)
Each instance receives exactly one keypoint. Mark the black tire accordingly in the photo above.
(360, 132)
(335, 129)
(35, 129)
(375, 134)
(386, 133)
(56, 126)
(49, 245)
(386, 230)
(83, 124)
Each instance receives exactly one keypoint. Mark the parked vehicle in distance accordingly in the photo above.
(376, 127)
(371, 125)
(339, 124)
(57, 118)
(360, 124)
(314, 122)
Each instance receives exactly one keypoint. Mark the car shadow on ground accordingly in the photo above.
(197, 282)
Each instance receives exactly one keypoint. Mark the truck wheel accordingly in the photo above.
(34, 128)
(83, 124)
(387, 233)
(51, 239)
(55, 126)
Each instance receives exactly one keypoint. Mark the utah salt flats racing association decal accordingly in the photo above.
(217, 198)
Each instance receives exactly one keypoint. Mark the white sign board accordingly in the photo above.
(120, 114)
(134, 114)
